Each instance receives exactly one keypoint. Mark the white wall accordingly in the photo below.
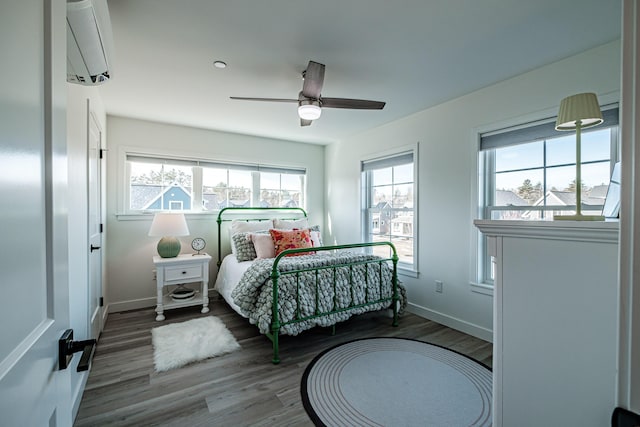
(447, 182)
(129, 249)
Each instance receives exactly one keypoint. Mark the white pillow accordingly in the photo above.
(240, 226)
(281, 224)
(315, 239)
(263, 244)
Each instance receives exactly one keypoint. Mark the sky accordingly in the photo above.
(561, 157)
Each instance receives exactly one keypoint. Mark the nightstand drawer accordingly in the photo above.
(183, 273)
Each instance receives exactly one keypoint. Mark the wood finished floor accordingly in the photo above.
(238, 389)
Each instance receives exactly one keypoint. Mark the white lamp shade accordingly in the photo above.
(168, 224)
(309, 110)
(583, 107)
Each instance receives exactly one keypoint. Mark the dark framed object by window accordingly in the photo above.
(612, 202)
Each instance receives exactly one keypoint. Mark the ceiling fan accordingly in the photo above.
(310, 102)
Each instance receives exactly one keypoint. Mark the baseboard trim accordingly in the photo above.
(105, 315)
(76, 395)
(452, 322)
(116, 307)
(136, 304)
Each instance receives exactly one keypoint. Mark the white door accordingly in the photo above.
(95, 227)
(34, 308)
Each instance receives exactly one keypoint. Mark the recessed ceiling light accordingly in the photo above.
(219, 64)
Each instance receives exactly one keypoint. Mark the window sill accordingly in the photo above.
(142, 216)
(482, 288)
(407, 272)
(588, 231)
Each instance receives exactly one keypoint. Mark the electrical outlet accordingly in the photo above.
(439, 286)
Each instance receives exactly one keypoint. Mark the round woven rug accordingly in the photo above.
(396, 382)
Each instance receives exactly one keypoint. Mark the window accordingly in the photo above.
(529, 173)
(389, 205)
(283, 190)
(223, 188)
(156, 183)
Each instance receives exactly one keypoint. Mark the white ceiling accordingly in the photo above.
(413, 54)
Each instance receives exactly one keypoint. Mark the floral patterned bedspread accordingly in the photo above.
(254, 293)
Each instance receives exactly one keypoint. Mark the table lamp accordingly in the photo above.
(168, 226)
(579, 112)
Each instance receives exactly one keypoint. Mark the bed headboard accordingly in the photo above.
(254, 214)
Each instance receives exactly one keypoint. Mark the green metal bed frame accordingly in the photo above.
(276, 324)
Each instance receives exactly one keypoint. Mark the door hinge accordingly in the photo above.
(101, 301)
(102, 228)
(102, 150)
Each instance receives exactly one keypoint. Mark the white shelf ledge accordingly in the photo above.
(586, 231)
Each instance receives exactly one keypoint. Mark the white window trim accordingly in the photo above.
(403, 268)
(475, 268)
(482, 288)
(122, 192)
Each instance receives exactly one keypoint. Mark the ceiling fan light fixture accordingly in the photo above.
(309, 110)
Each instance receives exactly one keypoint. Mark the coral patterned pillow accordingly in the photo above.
(291, 239)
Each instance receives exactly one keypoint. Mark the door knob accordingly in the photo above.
(67, 346)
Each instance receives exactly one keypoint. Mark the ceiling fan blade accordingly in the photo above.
(304, 122)
(313, 80)
(356, 104)
(264, 99)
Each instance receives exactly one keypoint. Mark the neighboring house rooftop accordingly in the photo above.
(568, 198)
(599, 192)
(210, 201)
(184, 194)
(509, 198)
(234, 203)
(142, 194)
(382, 205)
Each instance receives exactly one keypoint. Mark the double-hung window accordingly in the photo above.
(389, 208)
(529, 173)
(156, 183)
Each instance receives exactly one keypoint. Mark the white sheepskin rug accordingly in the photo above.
(177, 344)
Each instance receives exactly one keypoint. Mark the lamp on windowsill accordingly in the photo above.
(168, 226)
(579, 112)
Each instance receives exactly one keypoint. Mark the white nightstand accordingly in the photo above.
(182, 269)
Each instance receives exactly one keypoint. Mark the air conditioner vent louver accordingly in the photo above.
(89, 41)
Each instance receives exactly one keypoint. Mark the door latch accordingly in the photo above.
(67, 347)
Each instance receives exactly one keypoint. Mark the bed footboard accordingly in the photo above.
(276, 273)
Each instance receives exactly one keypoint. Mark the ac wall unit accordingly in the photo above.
(89, 42)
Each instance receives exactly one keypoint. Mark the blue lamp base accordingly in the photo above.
(168, 247)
